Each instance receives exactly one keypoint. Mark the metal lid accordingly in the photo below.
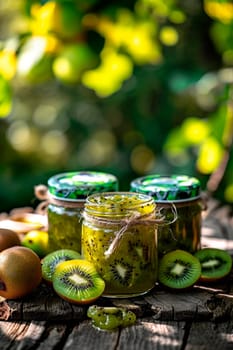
(167, 188)
(78, 185)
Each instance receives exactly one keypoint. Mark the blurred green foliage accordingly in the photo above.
(130, 88)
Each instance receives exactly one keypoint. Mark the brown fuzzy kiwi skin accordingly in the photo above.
(20, 272)
(206, 280)
(8, 238)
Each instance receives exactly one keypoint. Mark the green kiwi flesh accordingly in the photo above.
(179, 269)
(77, 281)
(51, 260)
(120, 272)
(110, 318)
(215, 263)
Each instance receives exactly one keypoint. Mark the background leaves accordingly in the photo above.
(136, 88)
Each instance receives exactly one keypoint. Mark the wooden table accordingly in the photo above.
(199, 319)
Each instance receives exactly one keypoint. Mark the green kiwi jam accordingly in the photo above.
(67, 194)
(119, 236)
(184, 193)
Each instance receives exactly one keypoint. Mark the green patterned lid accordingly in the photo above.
(73, 186)
(167, 188)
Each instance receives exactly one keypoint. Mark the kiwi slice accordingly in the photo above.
(77, 281)
(119, 272)
(110, 318)
(139, 250)
(179, 269)
(215, 263)
(51, 260)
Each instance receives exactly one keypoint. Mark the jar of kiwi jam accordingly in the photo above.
(119, 236)
(184, 193)
(67, 194)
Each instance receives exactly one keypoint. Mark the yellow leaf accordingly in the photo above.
(7, 64)
(210, 156)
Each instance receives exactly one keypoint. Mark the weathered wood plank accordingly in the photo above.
(44, 304)
(160, 304)
(180, 306)
(21, 335)
(9, 332)
(53, 338)
(163, 306)
(84, 336)
(221, 307)
(31, 335)
(163, 309)
(152, 335)
(209, 336)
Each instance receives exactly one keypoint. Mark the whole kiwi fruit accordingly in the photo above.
(20, 272)
(77, 281)
(8, 238)
(179, 269)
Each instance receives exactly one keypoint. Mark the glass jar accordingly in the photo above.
(67, 194)
(119, 236)
(183, 192)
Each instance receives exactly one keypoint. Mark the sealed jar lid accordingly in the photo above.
(167, 188)
(78, 185)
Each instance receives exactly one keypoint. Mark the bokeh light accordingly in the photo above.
(97, 150)
(142, 159)
(53, 143)
(45, 115)
(169, 36)
(22, 137)
(195, 130)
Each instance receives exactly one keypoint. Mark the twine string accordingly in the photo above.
(134, 219)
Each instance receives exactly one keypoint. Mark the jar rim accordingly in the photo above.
(163, 188)
(95, 207)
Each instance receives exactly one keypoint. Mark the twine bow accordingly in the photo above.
(134, 219)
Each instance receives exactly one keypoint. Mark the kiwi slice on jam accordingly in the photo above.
(120, 272)
(215, 263)
(51, 260)
(110, 317)
(77, 281)
(139, 250)
(179, 269)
